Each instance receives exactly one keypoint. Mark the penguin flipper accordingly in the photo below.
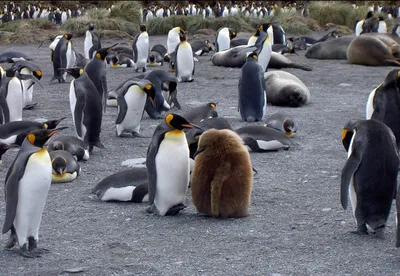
(14, 174)
(134, 47)
(151, 163)
(122, 108)
(379, 112)
(348, 171)
(139, 193)
(105, 91)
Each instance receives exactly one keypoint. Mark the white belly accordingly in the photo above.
(265, 55)
(382, 27)
(53, 45)
(173, 40)
(8, 140)
(370, 104)
(252, 41)
(88, 44)
(135, 99)
(224, 41)
(142, 46)
(184, 59)
(32, 193)
(359, 28)
(70, 56)
(119, 194)
(352, 192)
(27, 93)
(15, 99)
(172, 177)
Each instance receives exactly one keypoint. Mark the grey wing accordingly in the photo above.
(377, 103)
(122, 107)
(348, 171)
(14, 174)
(135, 51)
(105, 91)
(151, 162)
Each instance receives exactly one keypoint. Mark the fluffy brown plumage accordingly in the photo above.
(222, 178)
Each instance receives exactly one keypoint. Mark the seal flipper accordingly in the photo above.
(300, 66)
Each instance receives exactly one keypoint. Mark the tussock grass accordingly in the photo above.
(127, 10)
(337, 12)
(27, 31)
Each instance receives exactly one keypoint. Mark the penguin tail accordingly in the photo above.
(250, 119)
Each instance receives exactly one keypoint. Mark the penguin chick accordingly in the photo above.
(222, 178)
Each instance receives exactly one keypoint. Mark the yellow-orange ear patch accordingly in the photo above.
(344, 133)
(168, 119)
(98, 56)
(148, 86)
(213, 106)
(31, 138)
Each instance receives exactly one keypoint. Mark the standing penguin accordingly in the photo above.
(131, 101)
(96, 71)
(86, 108)
(276, 33)
(168, 166)
(252, 98)
(27, 68)
(27, 184)
(141, 49)
(184, 68)
(173, 39)
(384, 103)
(380, 26)
(223, 38)
(92, 42)
(63, 57)
(369, 176)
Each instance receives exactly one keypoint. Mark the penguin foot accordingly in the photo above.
(30, 106)
(28, 254)
(361, 230)
(190, 80)
(174, 210)
(11, 241)
(380, 232)
(144, 69)
(150, 209)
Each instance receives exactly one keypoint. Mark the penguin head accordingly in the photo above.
(290, 127)
(67, 36)
(52, 124)
(142, 27)
(178, 122)
(232, 33)
(74, 72)
(152, 58)
(370, 14)
(253, 56)
(57, 145)
(212, 105)
(39, 137)
(103, 52)
(347, 133)
(150, 91)
(392, 79)
(381, 18)
(182, 37)
(59, 165)
(91, 27)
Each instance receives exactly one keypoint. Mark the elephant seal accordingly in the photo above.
(235, 57)
(331, 49)
(374, 49)
(285, 89)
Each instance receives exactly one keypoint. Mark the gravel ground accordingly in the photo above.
(296, 223)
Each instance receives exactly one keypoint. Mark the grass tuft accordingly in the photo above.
(337, 12)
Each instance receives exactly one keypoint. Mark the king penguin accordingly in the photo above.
(63, 57)
(184, 68)
(96, 71)
(168, 166)
(92, 42)
(384, 103)
(86, 108)
(65, 168)
(27, 184)
(223, 38)
(131, 101)
(252, 96)
(141, 49)
(369, 176)
(173, 40)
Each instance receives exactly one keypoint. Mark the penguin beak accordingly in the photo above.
(60, 171)
(55, 131)
(59, 120)
(110, 48)
(191, 126)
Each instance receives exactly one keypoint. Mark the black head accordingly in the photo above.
(182, 37)
(178, 122)
(152, 58)
(39, 137)
(392, 79)
(52, 124)
(67, 36)
(57, 145)
(75, 72)
(91, 27)
(150, 91)
(232, 34)
(103, 52)
(59, 164)
(253, 56)
(370, 14)
(289, 127)
(347, 133)
(212, 105)
(142, 28)
(381, 18)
